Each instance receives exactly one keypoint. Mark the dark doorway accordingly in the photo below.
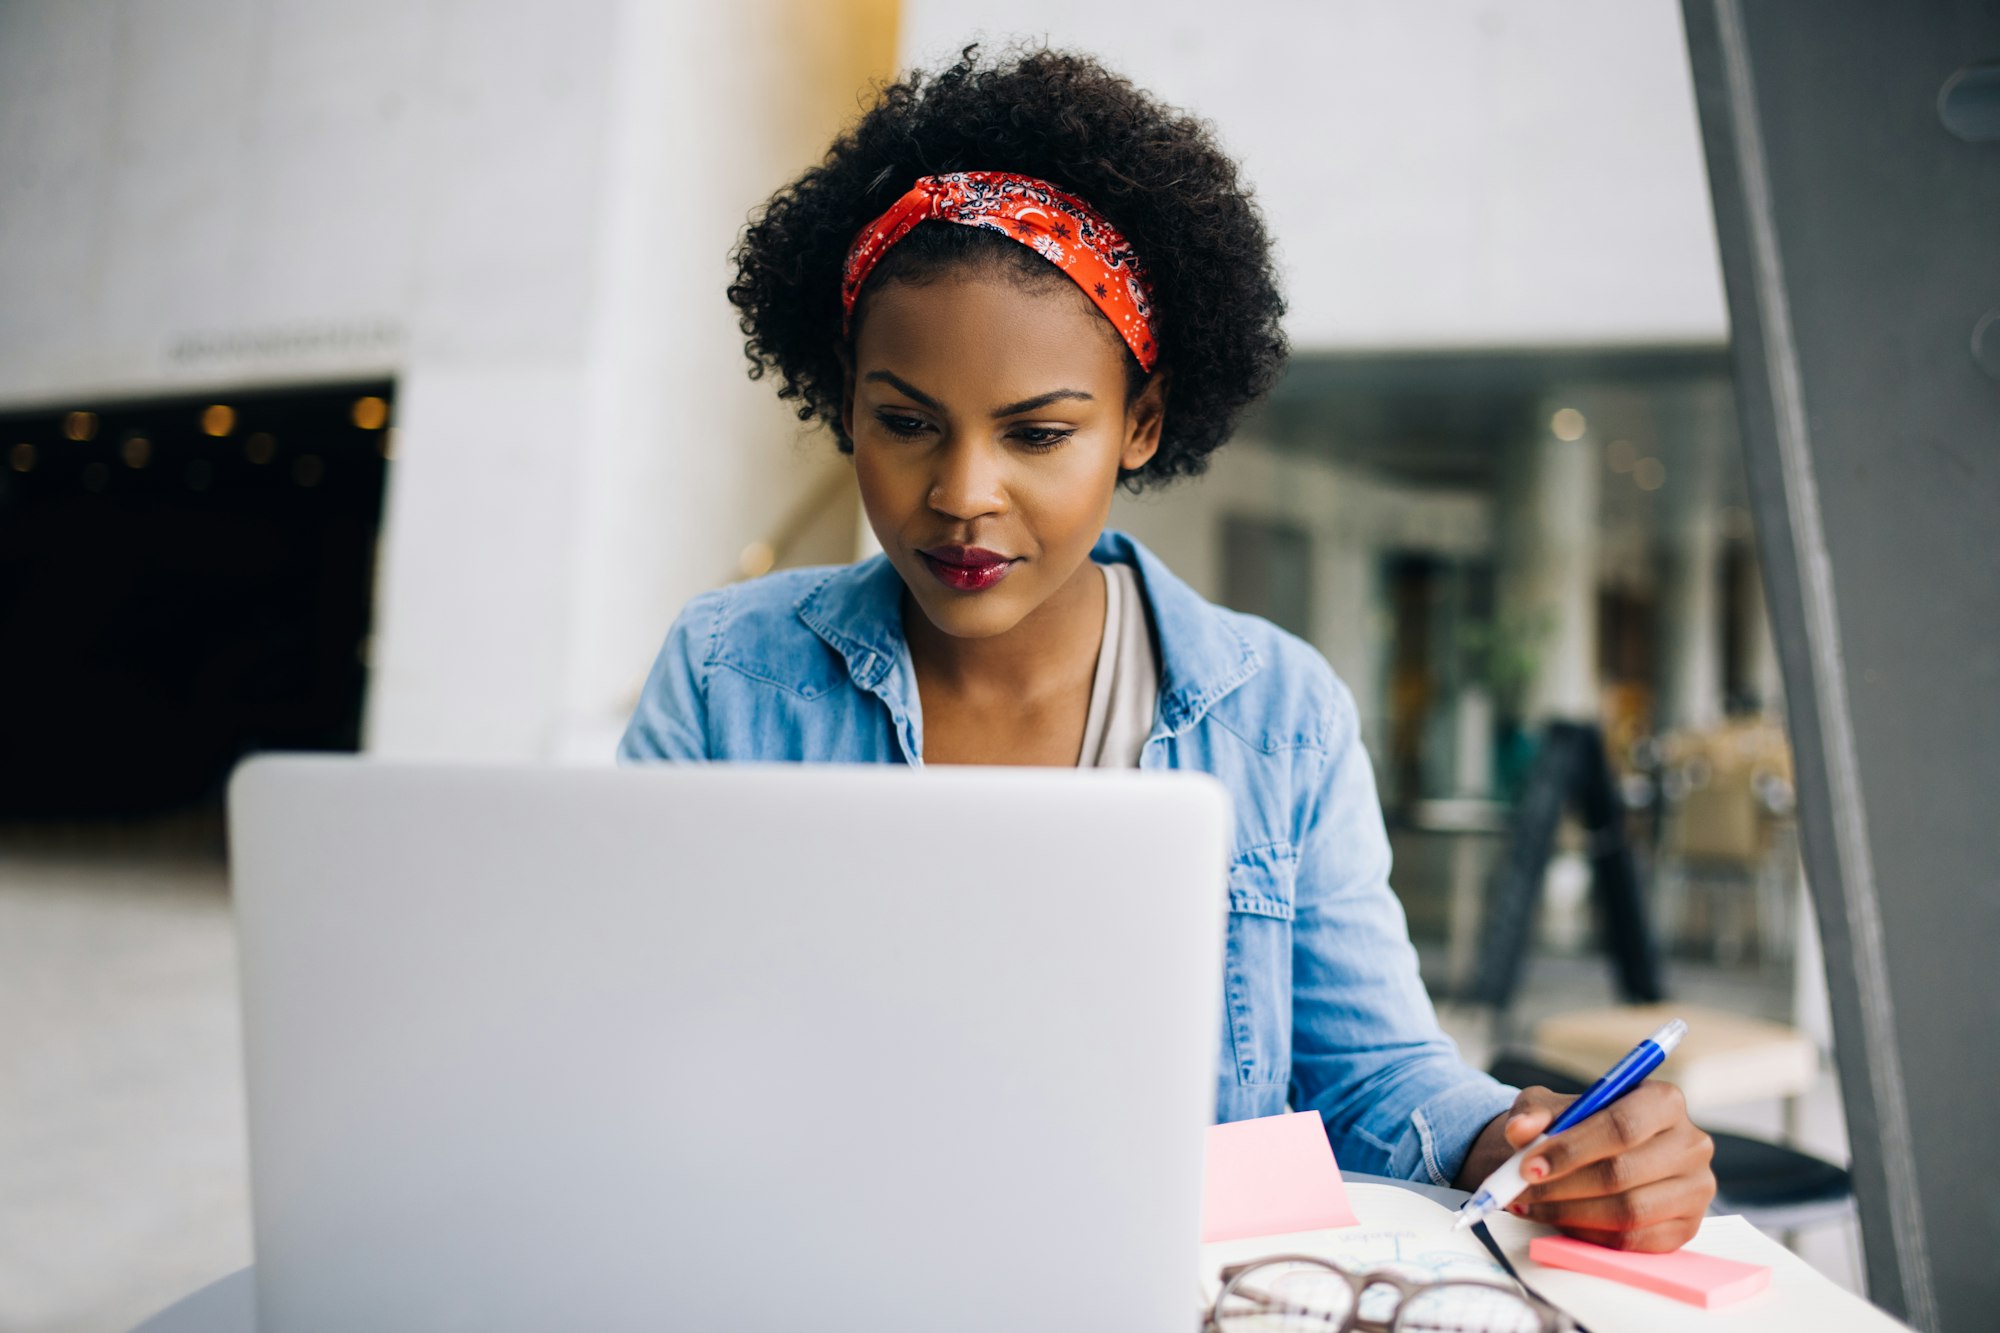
(182, 583)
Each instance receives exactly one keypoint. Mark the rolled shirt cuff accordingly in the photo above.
(1443, 1129)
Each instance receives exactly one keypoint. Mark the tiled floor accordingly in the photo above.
(122, 1176)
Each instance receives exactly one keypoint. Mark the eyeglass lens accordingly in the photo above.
(1309, 1299)
(1465, 1308)
(1277, 1299)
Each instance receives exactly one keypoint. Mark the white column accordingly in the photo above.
(686, 461)
(1762, 669)
(1691, 605)
(1547, 576)
(474, 583)
(1547, 544)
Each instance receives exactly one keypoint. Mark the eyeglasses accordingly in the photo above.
(1296, 1293)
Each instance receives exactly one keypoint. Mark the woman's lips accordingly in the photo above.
(966, 568)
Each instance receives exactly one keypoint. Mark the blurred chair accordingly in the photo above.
(1728, 836)
(1471, 825)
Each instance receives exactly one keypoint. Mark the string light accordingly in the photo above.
(1649, 474)
(218, 420)
(22, 456)
(1568, 424)
(80, 425)
(137, 451)
(371, 413)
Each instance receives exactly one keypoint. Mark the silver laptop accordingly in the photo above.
(726, 1047)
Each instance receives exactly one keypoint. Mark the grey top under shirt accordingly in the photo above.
(1125, 692)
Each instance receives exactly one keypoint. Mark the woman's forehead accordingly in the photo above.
(995, 336)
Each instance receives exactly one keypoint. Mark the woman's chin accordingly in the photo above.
(969, 615)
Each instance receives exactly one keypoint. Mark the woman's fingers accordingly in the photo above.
(1635, 1176)
(1680, 1150)
(1535, 1109)
(1641, 1114)
(1676, 1198)
(1656, 1239)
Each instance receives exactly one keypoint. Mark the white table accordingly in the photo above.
(230, 1304)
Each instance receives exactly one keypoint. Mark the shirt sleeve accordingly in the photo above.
(1367, 1051)
(670, 723)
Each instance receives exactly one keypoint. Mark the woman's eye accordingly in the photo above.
(1042, 438)
(897, 424)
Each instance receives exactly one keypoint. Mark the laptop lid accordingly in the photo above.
(726, 1046)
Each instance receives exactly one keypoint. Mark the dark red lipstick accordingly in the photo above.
(966, 568)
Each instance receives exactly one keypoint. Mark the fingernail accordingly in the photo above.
(1518, 1209)
(1536, 1169)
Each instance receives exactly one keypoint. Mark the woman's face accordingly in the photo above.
(989, 422)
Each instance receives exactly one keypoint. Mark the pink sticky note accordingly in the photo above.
(1270, 1176)
(1698, 1279)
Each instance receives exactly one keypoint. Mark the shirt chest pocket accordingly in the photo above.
(1257, 975)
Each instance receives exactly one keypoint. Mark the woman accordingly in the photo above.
(1008, 290)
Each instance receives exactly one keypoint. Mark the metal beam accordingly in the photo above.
(1837, 193)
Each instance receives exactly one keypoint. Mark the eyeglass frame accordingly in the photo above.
(1553, 1319)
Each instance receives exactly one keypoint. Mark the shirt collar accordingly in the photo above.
(1202, 656)
(857, 611)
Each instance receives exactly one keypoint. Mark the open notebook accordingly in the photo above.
(1396, 1228)
(1404, 1231)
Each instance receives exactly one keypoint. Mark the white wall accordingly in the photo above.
(519, 210)
(1455, 173)
(415, 178)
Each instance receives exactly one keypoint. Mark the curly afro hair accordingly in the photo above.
(1154, 172)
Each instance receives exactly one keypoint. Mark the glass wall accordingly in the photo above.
(1482, 544)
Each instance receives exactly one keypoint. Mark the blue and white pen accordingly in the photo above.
(1506, 1183)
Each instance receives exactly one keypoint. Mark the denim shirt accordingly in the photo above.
(1323, 1007)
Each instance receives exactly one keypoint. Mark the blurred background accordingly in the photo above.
(366, 383)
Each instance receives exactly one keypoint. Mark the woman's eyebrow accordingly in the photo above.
(903, 386)
(1042, 400)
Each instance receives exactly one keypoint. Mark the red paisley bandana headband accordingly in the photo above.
(1059, 227)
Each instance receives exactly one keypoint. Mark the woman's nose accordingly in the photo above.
(969, 481)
